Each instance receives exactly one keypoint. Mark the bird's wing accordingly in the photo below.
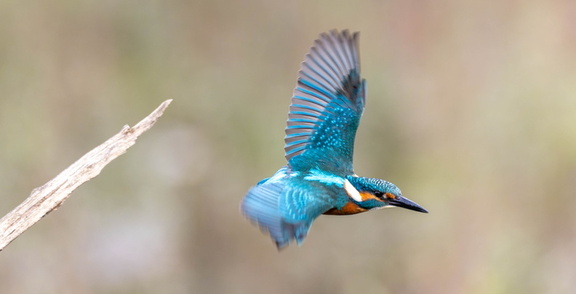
(327, 104)
(284, 211)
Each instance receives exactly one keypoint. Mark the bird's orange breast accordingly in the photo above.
(349, 208)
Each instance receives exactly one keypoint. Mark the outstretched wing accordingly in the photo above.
(326, 105)
(285, 211)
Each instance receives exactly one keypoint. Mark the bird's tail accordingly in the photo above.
(261, 205)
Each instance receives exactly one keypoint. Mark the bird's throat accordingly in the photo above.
(351, 191)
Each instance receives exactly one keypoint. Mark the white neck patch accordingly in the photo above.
(351, 191)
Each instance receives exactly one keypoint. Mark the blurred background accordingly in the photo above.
(471, 112)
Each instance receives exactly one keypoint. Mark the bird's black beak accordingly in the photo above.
(403, 202)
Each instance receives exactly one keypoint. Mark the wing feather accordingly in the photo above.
(327, 102)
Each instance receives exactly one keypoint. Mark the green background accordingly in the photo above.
(471, 111)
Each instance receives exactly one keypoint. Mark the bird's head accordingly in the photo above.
(369, 193)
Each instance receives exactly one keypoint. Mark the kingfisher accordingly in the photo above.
(319, 178)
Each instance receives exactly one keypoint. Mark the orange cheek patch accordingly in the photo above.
(390, 196)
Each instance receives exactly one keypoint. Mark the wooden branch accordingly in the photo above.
(51, 195)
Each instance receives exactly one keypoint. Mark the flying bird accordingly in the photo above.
(319, 178)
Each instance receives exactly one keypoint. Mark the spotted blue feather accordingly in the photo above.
(326, 105)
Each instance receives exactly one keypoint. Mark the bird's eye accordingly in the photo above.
(379, 194)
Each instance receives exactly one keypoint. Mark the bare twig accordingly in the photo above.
(51, 195)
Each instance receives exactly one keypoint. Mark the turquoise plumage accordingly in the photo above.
(325, 112)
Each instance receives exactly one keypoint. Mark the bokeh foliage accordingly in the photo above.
(471, 111)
